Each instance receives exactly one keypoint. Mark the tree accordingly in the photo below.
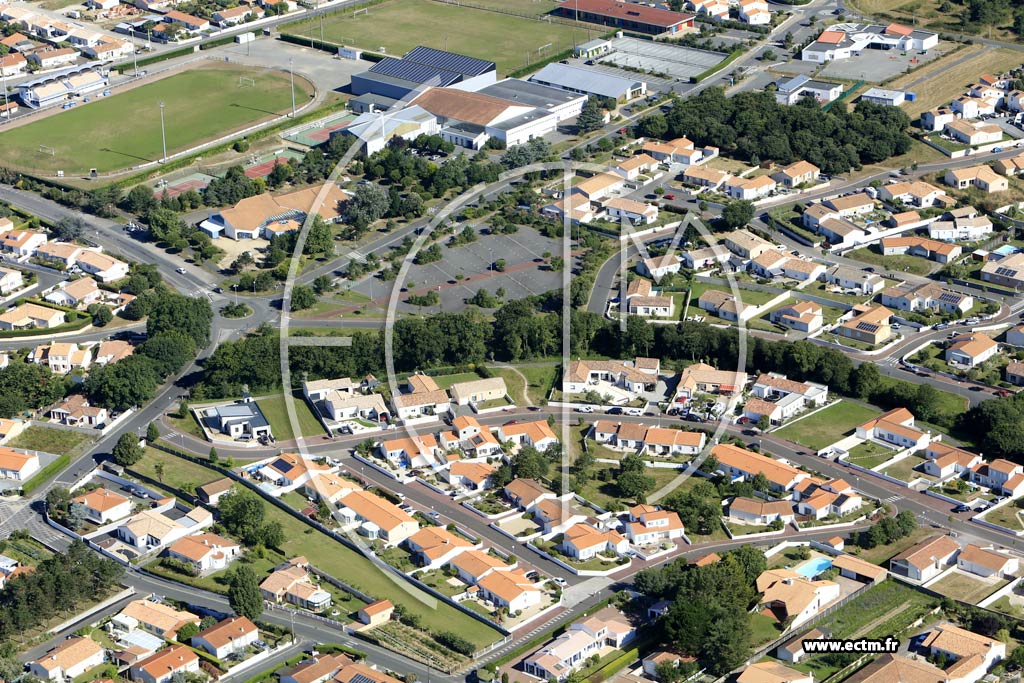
(152, 433)
(127, 451)
(322, 284)
(186, 632)
(169, 351)
(68, 228)
(764, 422)
(273, 534)
(590, 117)
(101, 315)
(653, 126)
(244, 593)
(58, 501)
(122, 385)
(635, 485)
(369, 202)
(241, 513)
(214, 457)
(140, 200)
(303, 297)
(761, 483)
(319, 239)
(737, 214)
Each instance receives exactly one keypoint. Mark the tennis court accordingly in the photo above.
(321, 132)
(264, 164)
(193, 181)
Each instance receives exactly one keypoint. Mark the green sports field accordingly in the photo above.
(400, 25)
(123, 130)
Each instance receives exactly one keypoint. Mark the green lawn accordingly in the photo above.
(446, 381)
(50, 440)
(513, 383)
(605, 494)
(540, 379)
(898, 263)
(763, 629)
(827, 426)
(177, 472)
(276, 412)
(749, 296)
(1007, 516)
(400, 25)
(908, 469)
(123, 130)
(869, 454)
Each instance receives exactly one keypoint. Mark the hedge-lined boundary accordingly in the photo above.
(45, 473)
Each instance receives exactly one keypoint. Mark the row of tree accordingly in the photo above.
(177, 326)
(60, 585)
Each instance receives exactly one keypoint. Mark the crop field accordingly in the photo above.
(398, 26)
(123, 130)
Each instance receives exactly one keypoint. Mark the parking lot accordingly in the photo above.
(468, 268)
(680, 63)
(875, 66)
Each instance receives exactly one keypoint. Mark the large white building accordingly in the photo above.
(843, 41)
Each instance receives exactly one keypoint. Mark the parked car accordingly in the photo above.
(634, 412)
(585, 409)
(962, 508)
(670, 197)
(614, 411)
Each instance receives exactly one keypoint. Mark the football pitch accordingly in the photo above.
(123, 130)
(400, 25)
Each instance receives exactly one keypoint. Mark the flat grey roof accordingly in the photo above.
(585, 80)
(529, 94)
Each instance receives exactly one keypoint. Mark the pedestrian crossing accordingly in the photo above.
(892, 499)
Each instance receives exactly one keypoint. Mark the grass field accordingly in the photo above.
(177, 472)
(880, 554)
(925, 14)
(1007, 516)
(123, 130)
(540, 379)
(48, 440)
(827, 426)
(970, 589)
(898, 263)
(870, 454)
(276, 412)
(948, 77)
(401, 25)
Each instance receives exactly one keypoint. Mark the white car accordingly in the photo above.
(180, 271)
(634, 412)
(585, 409)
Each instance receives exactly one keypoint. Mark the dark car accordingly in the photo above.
(962, 508)
(614, 411)
(869, 269)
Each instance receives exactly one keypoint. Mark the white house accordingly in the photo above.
(925, 560)
(69, 660)
(231, 635)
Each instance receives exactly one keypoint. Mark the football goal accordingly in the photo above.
(246, 82)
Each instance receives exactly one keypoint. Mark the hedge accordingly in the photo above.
(156, 59)
(36, 332)
(53, 468)
(721, 65)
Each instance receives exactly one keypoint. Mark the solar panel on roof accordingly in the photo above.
(867, 327)
(449, 61)
(361, 678)
(1006, 271)
(949, 297)
(412, 71)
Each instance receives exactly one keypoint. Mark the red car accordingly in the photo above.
(670, 197)
(622, 131)
(1004, 393)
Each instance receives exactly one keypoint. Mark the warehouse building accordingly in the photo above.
(423, 67)
(587, 81)
(468, 119)
(631, 17)
(562, 103)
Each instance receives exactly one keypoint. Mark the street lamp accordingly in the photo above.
(163, 132)
(291, 78)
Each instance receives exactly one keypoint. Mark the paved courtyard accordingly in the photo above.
(875, 66)
(674, 60)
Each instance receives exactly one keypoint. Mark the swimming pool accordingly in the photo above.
(1006, 250)
(812, 568)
